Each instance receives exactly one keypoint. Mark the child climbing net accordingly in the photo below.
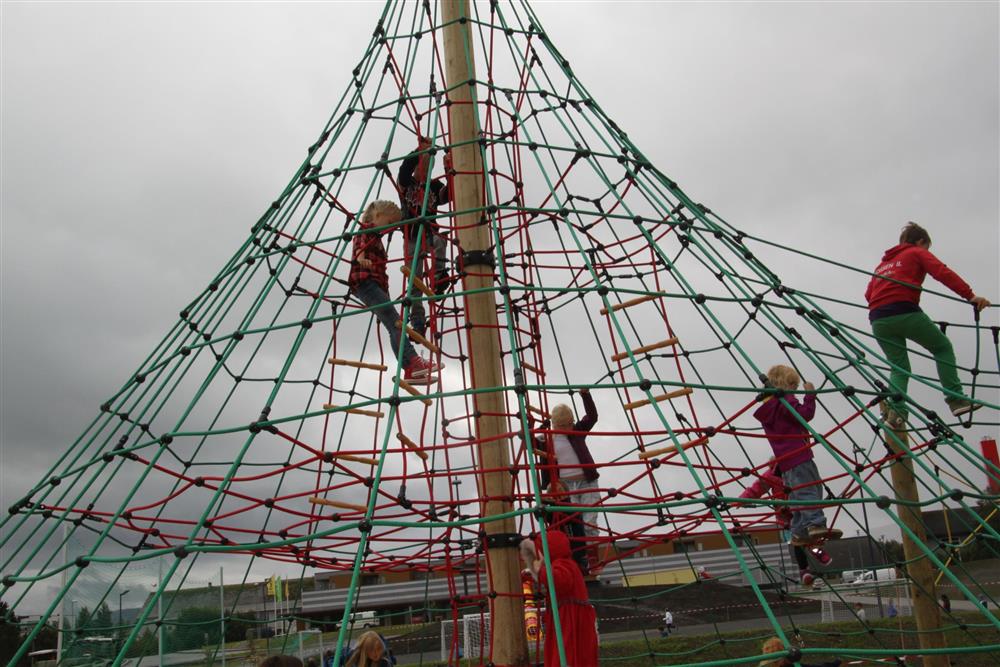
(272, 423)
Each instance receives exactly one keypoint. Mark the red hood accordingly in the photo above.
(895, 250)
(558, 545)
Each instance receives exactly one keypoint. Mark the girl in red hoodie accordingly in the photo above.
(893, 296)
(577, 618)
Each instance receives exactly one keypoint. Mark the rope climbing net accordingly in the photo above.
(274, 423)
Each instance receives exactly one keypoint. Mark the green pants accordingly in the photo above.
(892, 334)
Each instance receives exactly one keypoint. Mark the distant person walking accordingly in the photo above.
(668, 621)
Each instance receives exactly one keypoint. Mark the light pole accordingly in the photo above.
(461, 543)
(120, 596)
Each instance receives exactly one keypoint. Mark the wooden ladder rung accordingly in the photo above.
(629, 303)
(538, 411)
(355, 411)
(356, 364)
(418, 338)
(656, 399)
(645, 348)
(413, 391)
(353, 457)
(316, 500)
(536, 371)
(417, 282)
(409, 444)
(653, 453)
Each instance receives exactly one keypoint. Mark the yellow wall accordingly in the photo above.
(661, 578)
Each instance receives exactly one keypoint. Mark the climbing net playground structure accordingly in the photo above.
(273, 422)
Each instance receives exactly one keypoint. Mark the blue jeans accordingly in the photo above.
(418, 318)
(373, 296)
(803, 519)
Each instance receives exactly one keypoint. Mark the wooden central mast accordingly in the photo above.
(508, 642)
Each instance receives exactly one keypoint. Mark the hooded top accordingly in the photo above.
(908, 263)
(789, 439)
(577, 619)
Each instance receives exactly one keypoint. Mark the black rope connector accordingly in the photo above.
(82, 561)
(166, 439)
(365, 526)
(645, 384)
(54, 480)
(883, 502)
(503, 540)
(711, 501)
(181, 552)
(199, 481)
(956, 494)
(478, 258)
(700, 298)
(268, 502)
(795, 654)
(307, 323)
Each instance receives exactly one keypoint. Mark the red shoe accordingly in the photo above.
(822, 557)
(422, 371)
(807, 578)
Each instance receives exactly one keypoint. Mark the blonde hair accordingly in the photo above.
(562, 416)
(772, 645)
(367, 643)
(783, 377)
(381, 207)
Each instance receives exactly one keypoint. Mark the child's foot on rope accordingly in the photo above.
(443, 282)
(823, 533)
(801, 540)
(961, 406)
(421, 371)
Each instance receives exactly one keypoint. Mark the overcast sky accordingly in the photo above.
(142, 140)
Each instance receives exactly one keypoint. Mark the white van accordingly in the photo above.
(364, 619)
(871, 576)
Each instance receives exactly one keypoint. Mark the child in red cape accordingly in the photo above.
(577, 618)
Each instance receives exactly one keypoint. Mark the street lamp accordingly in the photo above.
(120, 596)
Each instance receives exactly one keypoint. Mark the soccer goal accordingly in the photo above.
(470, 639)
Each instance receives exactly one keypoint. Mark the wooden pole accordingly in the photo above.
(919, 569)
(508, 643)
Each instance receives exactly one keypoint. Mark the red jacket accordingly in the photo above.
(909, 263)
(577, 619)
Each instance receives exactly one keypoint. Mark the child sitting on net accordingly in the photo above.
(770, 484)
(792, 449)
(369, 283)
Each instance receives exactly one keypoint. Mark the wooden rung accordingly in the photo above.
(656, 399)
(409, 444)
(645, 348)
(355, 411)
(531, 368)
(417, 282)
(356, 364)
(355, 458)
(538, 411)
(630, 303)
(413, 391)
(418, 338)
(315, 500)
(653, 453)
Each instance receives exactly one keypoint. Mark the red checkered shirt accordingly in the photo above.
(369, 244)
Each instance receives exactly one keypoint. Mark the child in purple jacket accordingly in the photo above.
(793, 454)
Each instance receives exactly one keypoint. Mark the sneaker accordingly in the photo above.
(421, 371)
(443, 282)
(806, 578)
(961, 406)
(824, 533)
(801, 541)
(822, 557)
